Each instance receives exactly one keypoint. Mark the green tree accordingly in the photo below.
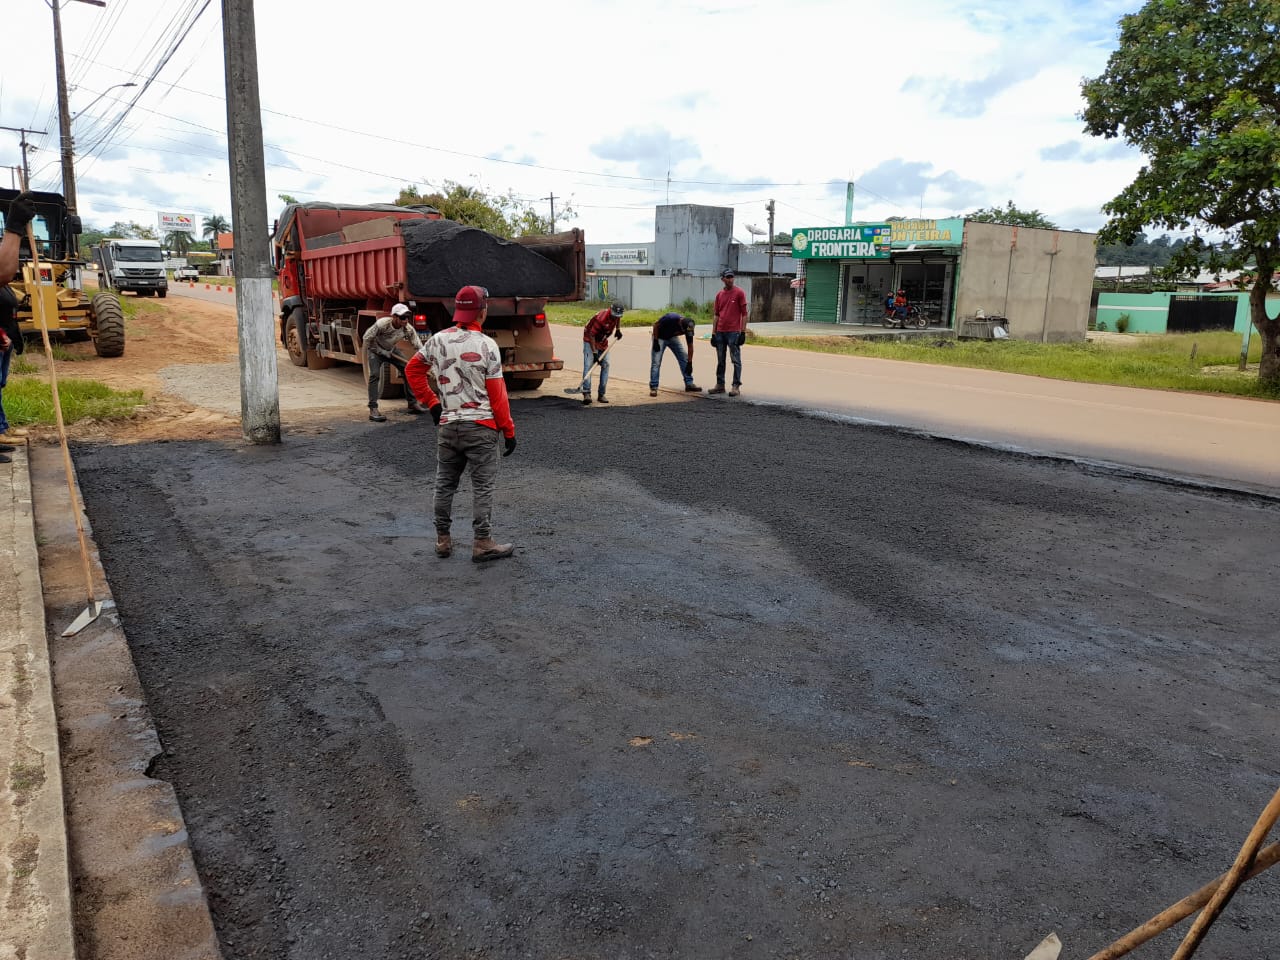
(506, 216)
(213, 226)
(286, 198)
(1013, 216)
(1193, 85)
(782, 238)
(179, 241)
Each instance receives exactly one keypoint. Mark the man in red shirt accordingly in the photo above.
(471, 411)
(595, 341)
(729, 332)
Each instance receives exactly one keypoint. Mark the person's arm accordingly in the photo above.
(414, 338)
(9, 243)
(496, 388)
(377, 327)
(416, 374)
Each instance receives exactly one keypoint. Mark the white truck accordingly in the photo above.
(128, 264)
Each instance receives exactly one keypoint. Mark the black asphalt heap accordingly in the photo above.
(754, 686)
(443, 256)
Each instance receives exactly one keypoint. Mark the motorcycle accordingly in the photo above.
(909, 316)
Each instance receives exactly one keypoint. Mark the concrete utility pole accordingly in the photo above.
(768, 293)
(23, 131)
(64, 116)
(259, 386)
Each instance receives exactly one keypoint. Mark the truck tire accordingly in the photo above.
(295, 338)
(108, 326)
(525, 383)
(386, 389)
(162, 294)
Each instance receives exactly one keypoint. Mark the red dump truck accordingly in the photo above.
(340, 267)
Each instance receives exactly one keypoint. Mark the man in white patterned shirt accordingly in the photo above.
(471, 412)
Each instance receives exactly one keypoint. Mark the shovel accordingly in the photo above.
(582, 387)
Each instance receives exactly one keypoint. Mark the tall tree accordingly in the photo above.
(179, 241)
(213, 226)
(1195, 85)
(507, 216)
(1013, 216)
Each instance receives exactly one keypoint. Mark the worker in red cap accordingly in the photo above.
(471, 412)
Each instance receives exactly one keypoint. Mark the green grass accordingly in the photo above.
(578, 314)
(28, 400)
(1159, 362)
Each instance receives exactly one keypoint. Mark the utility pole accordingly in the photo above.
(259, 384)
(26, 168)
(552, 198)
(64, 117)
(768, 292)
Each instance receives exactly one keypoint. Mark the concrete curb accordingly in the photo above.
(35, 882)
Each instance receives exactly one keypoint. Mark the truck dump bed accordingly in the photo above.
(423, 259)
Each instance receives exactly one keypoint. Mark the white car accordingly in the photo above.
(185, 273)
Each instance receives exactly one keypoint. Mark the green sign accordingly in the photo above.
(864, 241)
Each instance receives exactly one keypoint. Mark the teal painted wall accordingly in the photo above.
(1149, 312)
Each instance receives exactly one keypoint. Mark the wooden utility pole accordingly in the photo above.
(259, 386)
(23, 131)
(552, 198)
(64, 119)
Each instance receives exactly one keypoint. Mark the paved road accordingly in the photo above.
(1218, 438)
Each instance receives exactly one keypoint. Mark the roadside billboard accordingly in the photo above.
(177, 223)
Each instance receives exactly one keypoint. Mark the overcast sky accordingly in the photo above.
(933, 107)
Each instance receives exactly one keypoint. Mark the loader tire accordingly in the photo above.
(108, 326)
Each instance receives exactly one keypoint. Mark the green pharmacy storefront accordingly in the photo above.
(849, 270)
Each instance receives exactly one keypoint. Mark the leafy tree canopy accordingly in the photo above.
(1013, 216)
(504, 215)
(1195, 85)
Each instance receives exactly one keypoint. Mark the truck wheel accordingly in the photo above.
(386, 389)
(295, 338)
(108, 326)
(525, 383)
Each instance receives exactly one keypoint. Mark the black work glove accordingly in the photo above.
(657, 346)
(595, 357)
(21, 209)
(618, 335)
(509, 446)
(742, 338)
(436, 410)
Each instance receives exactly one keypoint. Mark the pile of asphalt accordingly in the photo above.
(443, 256)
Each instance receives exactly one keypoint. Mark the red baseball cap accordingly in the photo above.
(469, 302)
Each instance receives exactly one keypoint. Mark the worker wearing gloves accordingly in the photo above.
(595, 346)
(729, 332)
(380, 348)
(667, 331)
(16, 217)
(472, 413)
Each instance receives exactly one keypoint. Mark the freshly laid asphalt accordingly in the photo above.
(925, 570)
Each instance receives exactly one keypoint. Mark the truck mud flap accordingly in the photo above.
(547, 365)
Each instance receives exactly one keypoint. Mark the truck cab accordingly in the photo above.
(131, 265)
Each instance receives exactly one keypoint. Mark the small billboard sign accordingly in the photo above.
(177, 223)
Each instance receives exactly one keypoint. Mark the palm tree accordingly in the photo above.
(179, 241)
(212, 227)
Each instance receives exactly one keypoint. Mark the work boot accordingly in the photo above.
(374, 415)
(444, 545)
(692, 388)
(718, 388)
(600, 398)
(735, 391)
(414, 406)
(653, 391)
(586, 399)
(486, 549)
(7, 448)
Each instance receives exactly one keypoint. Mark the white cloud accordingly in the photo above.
(943, 105)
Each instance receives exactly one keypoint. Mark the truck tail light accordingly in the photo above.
(539, 319)
(420, 321)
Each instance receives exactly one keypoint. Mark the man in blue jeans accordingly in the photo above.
(667, 331)
(729, 332)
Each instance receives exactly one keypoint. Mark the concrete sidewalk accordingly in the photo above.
(1199, 438)
(35, 894)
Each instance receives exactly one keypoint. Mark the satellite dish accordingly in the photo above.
(755, 231)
